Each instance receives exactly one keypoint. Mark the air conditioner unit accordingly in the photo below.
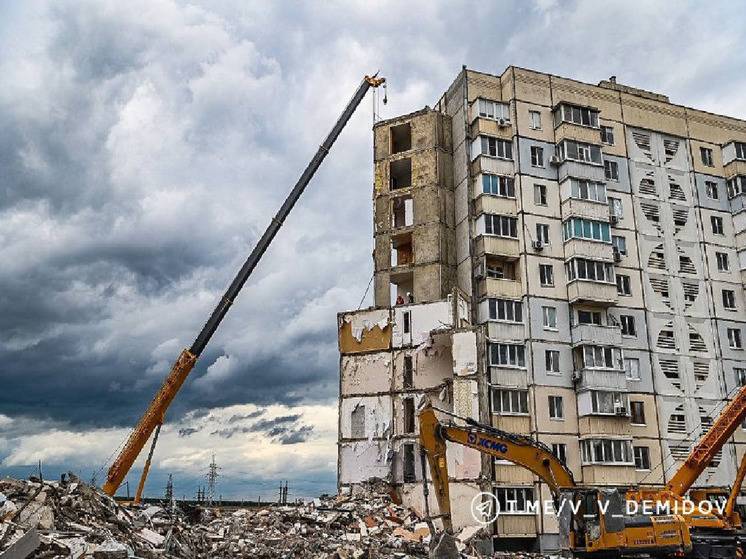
(537, 245)
(617, 255)
(620, 410)
(576, 376)
(503, 122)
(614, 219)
(554, 160)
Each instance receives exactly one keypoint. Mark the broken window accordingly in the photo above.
(408, 463)
(408, 372)
(401, 250)
(357, 422)
(402, 211)
(401, 137)
(400, 173)
(500, 269)
(408, 415)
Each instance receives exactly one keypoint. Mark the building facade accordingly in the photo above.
(557, 259)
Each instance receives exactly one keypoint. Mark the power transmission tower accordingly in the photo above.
(212, 480)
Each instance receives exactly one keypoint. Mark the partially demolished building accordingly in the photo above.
(558, 259)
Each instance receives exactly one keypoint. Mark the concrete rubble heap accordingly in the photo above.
(68, 518)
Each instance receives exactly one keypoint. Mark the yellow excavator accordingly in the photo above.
(151, 421)
(594, 521)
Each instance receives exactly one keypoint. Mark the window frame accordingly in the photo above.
(607, 135)
(549, 316)
(537, 156)
(534, 123)
(706, 156)
(627, 322)
(520, 401)
(552, 358)
(556, 407)
(542, 275)
(611, 171)
(515, 361)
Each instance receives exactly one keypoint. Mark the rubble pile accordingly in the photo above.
(68, 518)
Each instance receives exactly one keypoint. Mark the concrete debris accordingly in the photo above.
(67, 518)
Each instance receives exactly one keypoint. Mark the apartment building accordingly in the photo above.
(561, 260)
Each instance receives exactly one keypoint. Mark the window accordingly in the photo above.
(505, 309)
(740, 376)
(637, 411)
(551, 359)
(401, 137)
(496, 147)
(560, 451)
(546, 275)
(706, 155)
(534, 118)
(540, 194)
(400, 173)
(508, 355)
(607, 135)
(740, 150)
(711, 189)
(500, 269)
(494, 110)
(722, 261)
(515, 500)
(542, 233)
(623, 286)
(606, 403)
(580, 228)
(498, 185)
(606, 451)
(735, 186)
(509, 402)
(601, 357)
(407, 320)
(584, 116)
(588, 190)
(717, 224)
(549, 315)
(408, 373)
(555, 408)
(611, 170)
(408, 471)
(589, 270)
(408, 415)
(642, 458)
(729, 299)
(632, 368)
(357, 422)
(579, 151)
(501, 225)
(615, 207)
(589, 317)
(628, 325)
(734, 338)
(537, 156)
(620, 244)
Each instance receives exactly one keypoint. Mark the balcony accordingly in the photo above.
(500, 288)
(601, 379)
(595, 334)
(581, 291)
(597, 211)
(735, 167)
(490, 127)
(509, 331)
(571, 131)
(487, 204)
(592, 250)
(506, 247)
(580, 170)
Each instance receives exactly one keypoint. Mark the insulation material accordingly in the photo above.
(366, 374)
(464, 350)
(465, 398)
(377, 414)
(367, 330)
(362, 460)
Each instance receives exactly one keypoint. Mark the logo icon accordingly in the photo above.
(485, 508)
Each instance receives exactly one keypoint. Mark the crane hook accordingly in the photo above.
(385, 94)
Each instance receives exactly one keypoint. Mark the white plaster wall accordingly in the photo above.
(378, 415)
(365, 374)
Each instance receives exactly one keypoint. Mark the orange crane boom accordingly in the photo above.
(154, 415)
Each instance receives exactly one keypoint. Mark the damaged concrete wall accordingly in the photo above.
(367, 330)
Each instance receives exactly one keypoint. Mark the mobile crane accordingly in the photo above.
(697, 533)
(154, 415)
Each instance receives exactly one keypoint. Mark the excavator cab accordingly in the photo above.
(592, 519)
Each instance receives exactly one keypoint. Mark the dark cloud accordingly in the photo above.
(145, 146)
(241, 417)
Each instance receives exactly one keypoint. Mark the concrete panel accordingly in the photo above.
(378, 416)
(548, 171)
(366, 374)
(364, 331)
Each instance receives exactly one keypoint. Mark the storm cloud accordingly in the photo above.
(144, 147)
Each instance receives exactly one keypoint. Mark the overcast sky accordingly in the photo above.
(144, 146)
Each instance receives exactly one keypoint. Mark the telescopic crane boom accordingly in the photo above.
(154, 415)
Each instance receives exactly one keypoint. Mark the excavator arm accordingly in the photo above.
(518, 449)
(704, 451)
(154, 415)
